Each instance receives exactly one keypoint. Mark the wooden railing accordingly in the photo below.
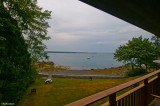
(138, 96)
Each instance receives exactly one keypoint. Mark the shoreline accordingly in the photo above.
(50, 66)
(82, 76)
(78, 74)
(50, 70)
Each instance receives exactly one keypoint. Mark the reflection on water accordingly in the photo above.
(84, 60)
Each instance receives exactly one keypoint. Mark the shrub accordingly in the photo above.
(135, 72)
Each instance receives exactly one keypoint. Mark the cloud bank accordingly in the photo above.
(76, 26)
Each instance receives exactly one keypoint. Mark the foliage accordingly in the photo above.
(135, 72)
(32, 23)
(156, 44)
(16, 71)
(2, 40)
(136, 52)
(20, 19)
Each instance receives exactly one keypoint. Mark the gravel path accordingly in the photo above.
(79, 74)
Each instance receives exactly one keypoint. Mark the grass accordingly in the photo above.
(117, 70)
(65, 90)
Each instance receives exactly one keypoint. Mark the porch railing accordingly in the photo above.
(138, 96)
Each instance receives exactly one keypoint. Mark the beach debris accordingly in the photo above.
(50, 66)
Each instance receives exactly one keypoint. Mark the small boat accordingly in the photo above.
(88, 58)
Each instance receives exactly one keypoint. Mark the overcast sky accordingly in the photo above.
(76, 26)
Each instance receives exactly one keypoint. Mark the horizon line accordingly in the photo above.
(73, 52)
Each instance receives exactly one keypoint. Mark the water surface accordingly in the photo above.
(80, 61)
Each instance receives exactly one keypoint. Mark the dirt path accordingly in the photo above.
(79, 74)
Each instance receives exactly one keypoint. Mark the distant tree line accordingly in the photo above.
(19, 18)
(139, 51)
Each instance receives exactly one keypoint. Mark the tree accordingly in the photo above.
(156, 43)
(2, 39)
(32, 23)
(19, 18)
(124, 54)
(137, 51)
(15, 64)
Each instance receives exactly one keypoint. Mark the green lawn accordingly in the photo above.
(65, 90)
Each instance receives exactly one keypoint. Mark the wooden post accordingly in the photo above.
(158, 90)
(158, 75)
(145, 92)
(112, 99)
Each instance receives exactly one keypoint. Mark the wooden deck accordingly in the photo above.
(138, 96)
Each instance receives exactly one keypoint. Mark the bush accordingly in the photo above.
(135, 72)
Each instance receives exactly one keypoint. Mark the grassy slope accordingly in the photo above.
(66, 90)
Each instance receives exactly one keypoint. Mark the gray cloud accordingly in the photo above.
(76, 26)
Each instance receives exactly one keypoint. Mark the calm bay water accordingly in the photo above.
(84, 60)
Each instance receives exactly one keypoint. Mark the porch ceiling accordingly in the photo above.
(142, 13)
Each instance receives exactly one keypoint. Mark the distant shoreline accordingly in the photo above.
(70, 52)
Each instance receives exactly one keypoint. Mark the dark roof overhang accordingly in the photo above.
(142, 13)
